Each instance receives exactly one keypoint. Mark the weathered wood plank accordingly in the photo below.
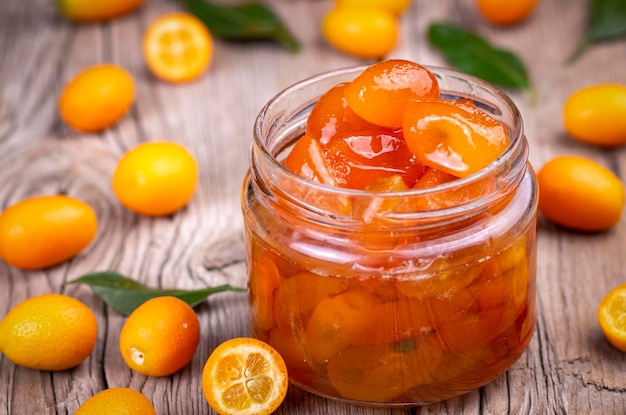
(568, 368)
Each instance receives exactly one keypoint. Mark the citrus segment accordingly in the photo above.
(612, 316)
(177, 47)
(244, 376)
(48, 332)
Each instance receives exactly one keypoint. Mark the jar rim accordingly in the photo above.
(512, 162)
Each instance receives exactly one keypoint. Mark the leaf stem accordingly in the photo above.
(580, 49)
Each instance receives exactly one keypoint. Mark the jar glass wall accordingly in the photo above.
(390, 298)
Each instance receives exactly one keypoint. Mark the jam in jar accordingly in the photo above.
(391, 270)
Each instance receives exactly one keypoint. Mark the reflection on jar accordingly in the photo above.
(390, 299)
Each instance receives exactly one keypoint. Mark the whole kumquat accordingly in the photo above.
(160, 337)
(177, 47)
(580, 194)
(97, 98)
(244, 376)
(596, 115)
(48, 332)
(43, 231)
(360, 31)
(612, 316)
(505, 12)
(117, 401)
(96, 10)
(155, 178)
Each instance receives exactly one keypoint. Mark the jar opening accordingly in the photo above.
(283, 120)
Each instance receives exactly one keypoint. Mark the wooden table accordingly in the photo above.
(568, 368)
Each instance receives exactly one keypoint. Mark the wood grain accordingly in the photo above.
(568, 368)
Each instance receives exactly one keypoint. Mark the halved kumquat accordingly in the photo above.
(455, 138)
(612, 316)
(245, 376)
(178, 47)
(383, 90)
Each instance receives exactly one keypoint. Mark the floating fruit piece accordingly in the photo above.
(380, 373)
(361, 157)
(332, 116)
(298, 295)
(264, 281)
(382, 91)
(457, 139)
(433, 177)
(306, 158)
(338, 321)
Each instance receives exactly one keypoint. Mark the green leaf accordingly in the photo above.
(125, 294)
(607, 20)
(472, 54)
(251, 21)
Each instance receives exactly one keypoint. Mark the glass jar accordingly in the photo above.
(390, 299)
